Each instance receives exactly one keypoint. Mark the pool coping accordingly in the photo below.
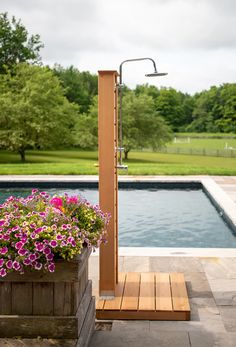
(216, 194)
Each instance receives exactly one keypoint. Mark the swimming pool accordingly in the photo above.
(161, 217)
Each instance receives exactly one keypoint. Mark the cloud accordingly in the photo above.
(191, 39)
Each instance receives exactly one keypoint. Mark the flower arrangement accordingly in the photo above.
(36, 230)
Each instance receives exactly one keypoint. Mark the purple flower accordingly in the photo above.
(3, 272)
(3, 250)
(38, 266)
(22, 251)
(32, 257)
(59, 237)
(50, 256)
(53, 243)
(38, 230)
(26, 261)
(16, 265)
(2, 221)
(1, 262)
(6, 237)
(19, 245)
(47, 250)
(34, 191)
(51, 267)
(9, 264)
(39, 246)
(72, 200)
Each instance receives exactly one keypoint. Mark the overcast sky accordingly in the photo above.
(193, 40)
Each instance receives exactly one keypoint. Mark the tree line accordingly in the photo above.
(43, 107)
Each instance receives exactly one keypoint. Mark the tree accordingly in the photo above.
(142, 127)
(80, 87)
(86, 128)
(16, 45)
(215, 110)
(169, 105)
(34, 113)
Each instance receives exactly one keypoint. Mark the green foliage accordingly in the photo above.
(86, 128)
(173, 107)
(215, 110)
(142, 127)
(80, 87)
(16, 45)
(34, 113)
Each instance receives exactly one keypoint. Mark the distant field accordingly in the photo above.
(72, 162)
(198, 143)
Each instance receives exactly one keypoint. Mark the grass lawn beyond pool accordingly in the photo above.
(74, 162)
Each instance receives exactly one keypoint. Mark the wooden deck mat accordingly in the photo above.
(147, 296)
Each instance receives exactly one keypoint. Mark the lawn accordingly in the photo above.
(73, 162)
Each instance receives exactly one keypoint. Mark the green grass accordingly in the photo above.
(208, 144)
(206, 135)
(73, 162)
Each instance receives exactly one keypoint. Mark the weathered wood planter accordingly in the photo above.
(50, 305)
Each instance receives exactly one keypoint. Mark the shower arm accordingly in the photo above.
(120, 148)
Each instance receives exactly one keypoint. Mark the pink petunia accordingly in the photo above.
(22, 251)
(26, 261)
(19, 245)
(32, 257)
(39, 246)
(53, 243)
(16, 265)
(47, 250)
(38, 266)
(9, 264)
(51, 267)
(3, 272)
(50, 256)
(3, 250)
(56, 202)
(72, 200)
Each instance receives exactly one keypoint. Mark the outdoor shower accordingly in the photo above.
(120, 149)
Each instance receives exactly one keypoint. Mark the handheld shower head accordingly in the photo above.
(156, 74)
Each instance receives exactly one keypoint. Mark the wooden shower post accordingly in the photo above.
(108, 185)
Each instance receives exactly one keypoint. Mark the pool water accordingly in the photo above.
(161, 218)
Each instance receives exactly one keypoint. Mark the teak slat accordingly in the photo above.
(100, 304)
(131, 292)
(179, 292)
(163, 292)
(147, 292)
(147, 296)
(115, 304)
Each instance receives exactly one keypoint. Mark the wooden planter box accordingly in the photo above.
(50, 305)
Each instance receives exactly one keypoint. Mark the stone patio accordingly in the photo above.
(211, 285)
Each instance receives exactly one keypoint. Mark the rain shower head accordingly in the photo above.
(156, 74)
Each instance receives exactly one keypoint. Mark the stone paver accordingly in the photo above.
(208, 339)
(219, 268)
(175, 264)
(224, 291)
(228, 315)
(133, 338)
(197, 285)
